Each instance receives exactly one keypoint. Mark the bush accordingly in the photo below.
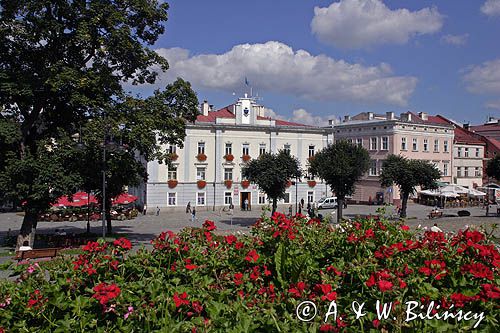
(199, 281)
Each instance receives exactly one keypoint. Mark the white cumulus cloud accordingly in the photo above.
(276, 67)
(457, 40)
(363, 23)
(491, 8)
(303, 116)
(484, 78)
(493, 105)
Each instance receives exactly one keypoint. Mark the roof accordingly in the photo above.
(227, 113)
(461, 134)
(486, 127)
(431, 120)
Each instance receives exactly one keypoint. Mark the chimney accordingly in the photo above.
(347, 118)
(331, 122)
(467, 126)
(389, 115)
(406, 116)
(205, 107)
(423, 115)
(370, 115)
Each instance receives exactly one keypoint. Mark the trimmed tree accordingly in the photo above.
(407, 174)
(271, 172)
(340, 165)
(493, 168)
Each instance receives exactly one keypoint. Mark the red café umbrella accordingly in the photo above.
(124, 199)
(79, 199)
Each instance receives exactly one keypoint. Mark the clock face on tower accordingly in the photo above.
(246, 112)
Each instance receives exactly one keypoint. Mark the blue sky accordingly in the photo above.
(440, 57)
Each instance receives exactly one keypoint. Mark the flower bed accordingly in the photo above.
(199, 281)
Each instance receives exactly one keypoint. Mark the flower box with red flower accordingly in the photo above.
(172, 183)
(201, 157)
(201, 184)
(173, 156)
(229, 157)
(245, 183)
(245, 158)
(288, 183)
(311, 183)
(310, 159)
(228, 183)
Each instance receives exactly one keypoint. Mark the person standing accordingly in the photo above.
(144, 209)
(193, 215)
(157, 211)
(188, 207)
(245, 204)
(290, 211)
(302, 203)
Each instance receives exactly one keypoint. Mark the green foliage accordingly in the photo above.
(271, 172)
(493, 168)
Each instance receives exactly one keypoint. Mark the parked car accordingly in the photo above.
(327, 203)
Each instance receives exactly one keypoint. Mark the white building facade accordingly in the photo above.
(207, 170)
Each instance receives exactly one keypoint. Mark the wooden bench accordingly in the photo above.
(433, 215)
(37, 253)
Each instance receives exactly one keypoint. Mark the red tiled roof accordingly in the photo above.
(431, 120)
(486, 127)
(461, 134)
(212, 115)
(494, 142)
(226, 113)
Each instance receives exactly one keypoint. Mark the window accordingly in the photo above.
(466, 152)
(445, 146)
(459, 152)
(349, 140)
(385, 143)
(228, 198)
(445, 169)
(436, 146)
(200, 198)
(466, 171)
(414, 144)
(403, 144)
(201, 148)
(311, 151)
(172, 199)
(477, 172)
(359, 142)
(246, 149)
(172, 149)
(459, 171)
(228, 174)
(286, 148)
(262, 198)
(200, 173)
(373, 168)
(286, 199)
(229, 148)
(172, 173)
(373, 143)
(262, 149)
(310, 196)
(477, 152)
(309, 176)
(426, 145)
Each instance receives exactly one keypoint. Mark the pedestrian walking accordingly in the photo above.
(193, 215)
(302, 203)
(290, 211)
(157, 211)
(245, 204)
(188, 207)
(144, 210)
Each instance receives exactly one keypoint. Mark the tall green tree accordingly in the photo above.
(493, 168)
(61, 63)
(340, 165)
(407, 174)
(271, 172)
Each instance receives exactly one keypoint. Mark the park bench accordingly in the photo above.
(36, 253)
(433, 215)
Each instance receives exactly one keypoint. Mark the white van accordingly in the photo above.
(326, 203)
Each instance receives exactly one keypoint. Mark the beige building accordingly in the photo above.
(410, 135)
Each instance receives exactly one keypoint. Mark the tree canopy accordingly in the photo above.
(271, 172)
(493, 168)
(407, 174)
(340, 165)
(63, 64)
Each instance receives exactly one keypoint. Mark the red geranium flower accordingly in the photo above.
(179, 300)
(327, 328)
(384, 285)
(491, 291)
(191, 267)
(478, 270)
(405, 227)
(94, 247)
(252, 256)
(209, 225)
(122, 243)
(230, 239)
(105, 292)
